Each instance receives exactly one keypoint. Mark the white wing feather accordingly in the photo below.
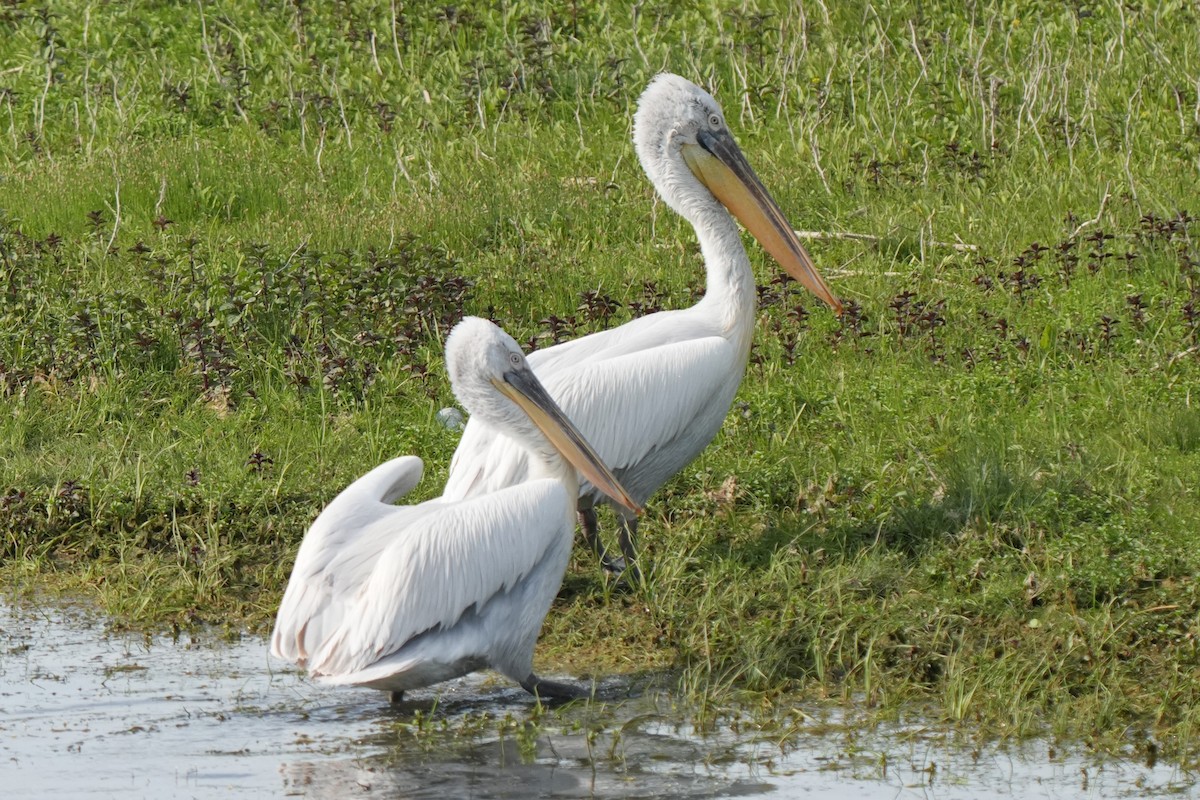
(627, 397)
(638, 335)
(336, 554)
(628, 405)
(435, 567)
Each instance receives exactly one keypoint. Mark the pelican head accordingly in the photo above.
(687, 150)
(491, 378)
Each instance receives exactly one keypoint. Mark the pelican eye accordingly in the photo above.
(714, 120)
(514, 359)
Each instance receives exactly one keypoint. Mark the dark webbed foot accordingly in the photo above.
(554, 690)
(616, 565)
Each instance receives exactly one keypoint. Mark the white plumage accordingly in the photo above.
(399, 597)
(651, 394)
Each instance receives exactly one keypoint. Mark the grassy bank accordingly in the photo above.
(227, 263)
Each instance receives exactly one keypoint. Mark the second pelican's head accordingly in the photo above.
(687, 150)
(492, 379)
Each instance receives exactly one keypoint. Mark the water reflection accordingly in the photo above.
(84, 713)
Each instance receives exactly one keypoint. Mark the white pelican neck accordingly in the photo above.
(729, 281)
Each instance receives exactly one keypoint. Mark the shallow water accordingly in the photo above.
(85, 713)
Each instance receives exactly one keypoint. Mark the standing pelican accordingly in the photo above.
(400, 597)
(651, 394)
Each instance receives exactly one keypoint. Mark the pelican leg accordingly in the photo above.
(395, 698)
(553, 690)
(627, 539)
(591, 535)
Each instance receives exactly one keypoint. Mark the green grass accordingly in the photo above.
(227, 263)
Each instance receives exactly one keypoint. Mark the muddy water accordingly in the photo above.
(85, 713)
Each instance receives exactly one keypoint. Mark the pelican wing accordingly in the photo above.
(629, 400)
(338, 552)
(643, 333)
(439, 565)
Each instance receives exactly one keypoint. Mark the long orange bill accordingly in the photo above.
(719, 164)
(522, 387)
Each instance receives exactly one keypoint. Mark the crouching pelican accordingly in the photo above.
(651, 394)
(400, 597)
